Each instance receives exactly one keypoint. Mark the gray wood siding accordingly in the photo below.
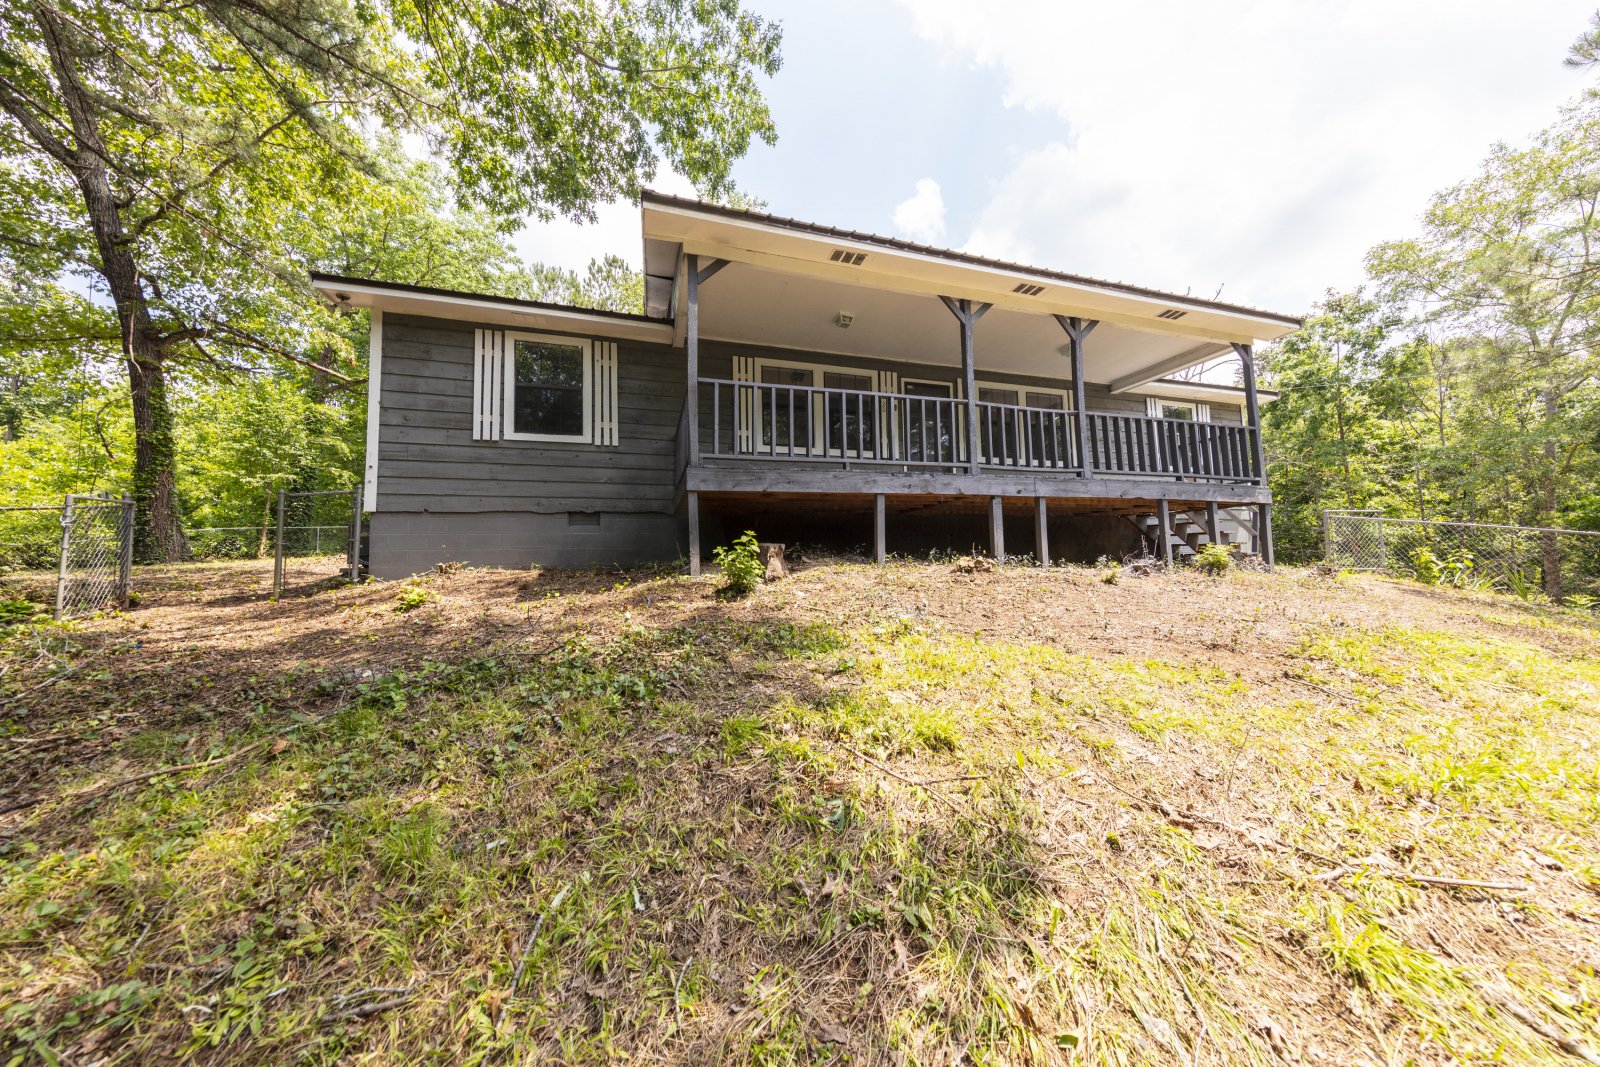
(428, 461)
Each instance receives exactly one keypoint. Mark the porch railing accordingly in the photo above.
(757, 420)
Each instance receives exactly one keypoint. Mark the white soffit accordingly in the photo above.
(770, 244)
(760, 306)
(490, 311)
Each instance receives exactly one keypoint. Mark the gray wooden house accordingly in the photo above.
(812, 384)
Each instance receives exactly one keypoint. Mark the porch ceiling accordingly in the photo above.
(755, 305)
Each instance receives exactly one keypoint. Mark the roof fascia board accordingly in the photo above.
(1171, 365)
(1207, 391)
(1272, 326)
(401, 301)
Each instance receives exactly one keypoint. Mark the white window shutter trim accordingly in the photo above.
(605, 393)
(744, 370)
(477, 385)
(488, 384)
(1202, 413)
(1152, 407)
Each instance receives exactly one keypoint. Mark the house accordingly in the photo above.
(810, 383)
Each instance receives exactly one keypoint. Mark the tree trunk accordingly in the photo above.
(157, 535)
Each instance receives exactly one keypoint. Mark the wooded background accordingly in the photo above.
(169, 176)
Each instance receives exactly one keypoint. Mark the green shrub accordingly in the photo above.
(1112, 573)
(13, 612)
(1425, 566)
(1214, 559)
(410, 598)
(741, 566)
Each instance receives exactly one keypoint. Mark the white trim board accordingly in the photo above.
(369, 484)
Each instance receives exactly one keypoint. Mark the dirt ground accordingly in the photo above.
(1249, 731)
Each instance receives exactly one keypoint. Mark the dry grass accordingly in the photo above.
(902, 815)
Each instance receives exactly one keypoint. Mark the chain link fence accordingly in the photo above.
(87, 541)
(316, 540)
(1532, 562)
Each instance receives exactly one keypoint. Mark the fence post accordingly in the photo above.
(1383, 545)
(277, 552)
(1327, 536)
(125, 561)
(354, 547)
(66, 555)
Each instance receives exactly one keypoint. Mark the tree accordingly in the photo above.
(1508, 263)
(609, 284)
(173, 154)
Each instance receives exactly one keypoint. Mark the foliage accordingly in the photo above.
(1214, 559)
(1466, 384)
(1425, 566)
(14, 612)
(741, 566)
(1110, 570)
(410, 597)
(189, 162)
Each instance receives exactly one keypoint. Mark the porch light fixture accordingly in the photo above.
(342, 304)
(843, 320)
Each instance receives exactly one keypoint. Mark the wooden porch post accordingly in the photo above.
(691, 398)
(693, 501)
(1164, 521)
(880, 539)
(1266, 536)
(1213, 522)
(694, 278)
(997, 529)
(1252, 404)
(968, 313)
(1078, 329)
(1041, 535)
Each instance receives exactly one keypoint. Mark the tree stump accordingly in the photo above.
(772, 559)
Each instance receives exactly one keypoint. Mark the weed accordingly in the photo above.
(411, 597)
(741, 566)
(1214, 559)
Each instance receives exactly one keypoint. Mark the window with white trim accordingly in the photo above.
(544, 387)
(1158, 408)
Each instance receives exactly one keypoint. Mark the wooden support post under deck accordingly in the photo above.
(1164, 532)
(693, 500)
(1213, 522)
(997, 529)
(880, 539)
(1266, 536)
(1041, 536)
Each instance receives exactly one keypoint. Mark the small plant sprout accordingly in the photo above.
(1110, 570)
(1214, 559)
(411, 597)
(741, 566)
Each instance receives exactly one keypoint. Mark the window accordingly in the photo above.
(1023, 433)
(549, 389)
(1183, 410)
(539, 387)
(815, 409)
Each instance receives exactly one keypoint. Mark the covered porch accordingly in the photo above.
(825, 363)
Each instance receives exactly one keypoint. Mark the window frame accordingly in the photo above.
(818, 432)
(508, 430)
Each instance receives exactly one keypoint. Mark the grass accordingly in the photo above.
(860, 817)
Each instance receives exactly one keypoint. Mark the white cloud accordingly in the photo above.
(1260, 147)
(921, 217)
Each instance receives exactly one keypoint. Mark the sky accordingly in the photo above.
(1248, 150)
